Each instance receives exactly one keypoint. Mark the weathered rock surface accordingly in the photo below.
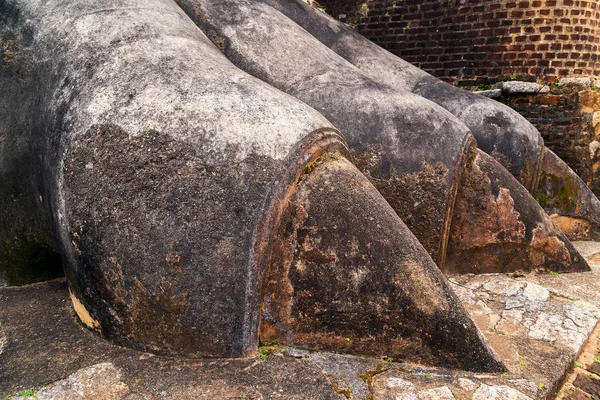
(584, 380)
(561, 191)
(55, 350)
(26, 242)
(412, 150)
(492, 94)
(498, 226)
(46, 347)
(337, 277)
(101, 381)
(500, 131)
(170, 170)
(196, 207)
(584, 83)
(518, 87)
(416, 153)
(501, 392)
(140, 124)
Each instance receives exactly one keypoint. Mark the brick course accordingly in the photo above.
(565, 124)
(474, 41)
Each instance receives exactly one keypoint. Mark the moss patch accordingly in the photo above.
(330, 156)
(558, 192)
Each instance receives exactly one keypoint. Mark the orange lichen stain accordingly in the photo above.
(545, 246)
(83, 313)
(173, 260)
(574, 228)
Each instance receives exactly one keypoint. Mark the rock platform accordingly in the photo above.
(540, 325)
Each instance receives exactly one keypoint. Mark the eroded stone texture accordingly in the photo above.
(177, 181)
(413, 151)
(28, 252)
(345, 372)
(162, 162)
(500, 131)
(300, 374)
(467, 384)
(501, 392)
(48, 348)
(499, 227)
(573, 228)
(528, 311)
(514, 87)
(167, 181)
(532, 322)
(100, 381)
(346, 280)
(441, 393)
(562, 192)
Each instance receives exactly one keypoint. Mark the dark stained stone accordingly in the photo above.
(343, 279)
(500, 131)
(575, 394)
(588, 384)
(414, 152)
(44, 344)
(594, 367)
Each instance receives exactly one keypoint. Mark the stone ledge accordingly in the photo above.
(518, 87)
(583, 83)
(492, 94)
(537, 323)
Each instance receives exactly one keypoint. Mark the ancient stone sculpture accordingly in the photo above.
(500, 131)
(421, 158)
(198, 209)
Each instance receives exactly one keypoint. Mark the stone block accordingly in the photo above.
(518, 87)
(583, 83)
(594, 148)
(500, 392)
(587, 384)
(594, 367)
(595, 118)
(492, 94)
(549, 100)
(589, 101)
(575, 394)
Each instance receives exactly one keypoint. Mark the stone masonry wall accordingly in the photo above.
(466, 41)
(567, 114)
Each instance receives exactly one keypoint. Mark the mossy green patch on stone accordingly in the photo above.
(542, 199)
(557, 192)
(265, 350)
(329, 156)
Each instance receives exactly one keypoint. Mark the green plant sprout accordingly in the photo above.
(523, 364)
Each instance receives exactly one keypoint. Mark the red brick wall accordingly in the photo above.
(565, 123)
(468, 41)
